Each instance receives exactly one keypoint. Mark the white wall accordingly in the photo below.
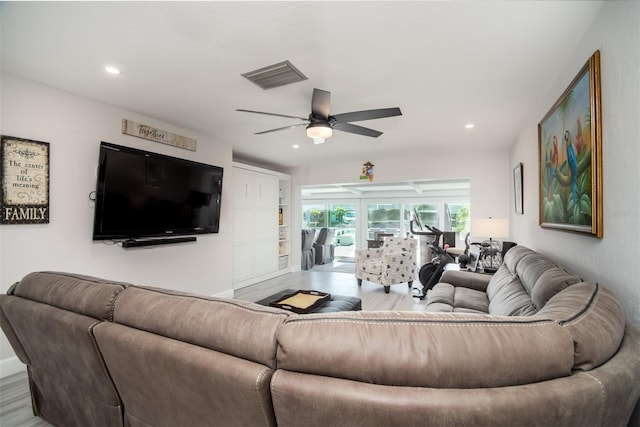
(74, 127)
(613, 260)
(488, 171)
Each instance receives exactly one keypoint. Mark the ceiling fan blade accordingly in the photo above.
(320, 103)
(348, 127)
(357, 116)
(282, 128)
(272, 114)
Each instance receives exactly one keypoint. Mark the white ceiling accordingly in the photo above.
(444, 63)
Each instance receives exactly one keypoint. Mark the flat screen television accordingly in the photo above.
(141, 194)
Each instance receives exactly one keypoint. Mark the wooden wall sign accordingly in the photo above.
(24, 176)
(139, 130)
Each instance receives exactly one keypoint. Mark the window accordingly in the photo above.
(341, 217)
(383, 218)
(359, 211)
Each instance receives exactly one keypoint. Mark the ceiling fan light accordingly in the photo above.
(319, 130)
(317, 141)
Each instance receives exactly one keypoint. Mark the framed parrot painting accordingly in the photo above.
(570, 156)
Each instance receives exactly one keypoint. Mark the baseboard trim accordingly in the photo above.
(11, 366)
(224, 294)
(256, 279)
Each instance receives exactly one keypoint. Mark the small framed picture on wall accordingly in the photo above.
(517, 188)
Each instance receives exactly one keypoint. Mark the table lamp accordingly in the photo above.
(491, 227)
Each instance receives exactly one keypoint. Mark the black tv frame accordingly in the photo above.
(152, 236)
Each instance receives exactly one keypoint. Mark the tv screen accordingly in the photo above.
(142, 194)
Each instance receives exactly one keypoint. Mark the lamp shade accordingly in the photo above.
(491, 227)
(319, 130)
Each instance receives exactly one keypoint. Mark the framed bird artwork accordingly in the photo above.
(570, 156)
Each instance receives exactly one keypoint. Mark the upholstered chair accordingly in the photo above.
(393, 263)
(324, 246)
(308, 251)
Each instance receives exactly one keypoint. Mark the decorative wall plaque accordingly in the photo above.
(24, 175)
(139, 130)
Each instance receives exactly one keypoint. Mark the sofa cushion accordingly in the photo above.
(445, 350)
(72, 292)
(470, 299)
(167, 382)
(466, 279)
(515, 255)
(507, 295)
(549, 283)
(438, 307)
(49, 319)
(593, 317)
(531, 267)
(441, 293)
(208, 322)
(446, 297)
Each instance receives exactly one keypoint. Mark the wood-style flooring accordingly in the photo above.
(337, 278)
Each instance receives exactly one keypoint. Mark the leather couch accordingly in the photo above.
(107, 353)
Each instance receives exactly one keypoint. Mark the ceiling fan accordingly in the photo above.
(320, 123)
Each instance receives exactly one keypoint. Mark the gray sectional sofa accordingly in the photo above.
(103, 353)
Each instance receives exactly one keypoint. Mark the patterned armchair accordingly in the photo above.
(393, 263)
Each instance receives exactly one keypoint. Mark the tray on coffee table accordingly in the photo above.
(302, 302)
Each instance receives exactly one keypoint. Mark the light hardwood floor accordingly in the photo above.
(337, 278)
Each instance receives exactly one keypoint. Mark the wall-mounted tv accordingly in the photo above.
(142, 194)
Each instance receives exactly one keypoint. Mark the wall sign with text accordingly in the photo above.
(149, 133)
(24, 176)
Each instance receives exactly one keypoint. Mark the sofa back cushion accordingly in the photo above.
(86, 295)
(210, 357)
(550, 282)
(525, 282)
(167, 382)
(237, 328)
(417, 349)
(507, 295)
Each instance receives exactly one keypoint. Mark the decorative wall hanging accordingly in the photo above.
(139, 130)
(24, 175)
(517, 188)
(570, 156)
(367, 171)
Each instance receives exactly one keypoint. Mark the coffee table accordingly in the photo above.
(337, 302)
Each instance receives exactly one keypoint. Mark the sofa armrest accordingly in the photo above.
(466, 279)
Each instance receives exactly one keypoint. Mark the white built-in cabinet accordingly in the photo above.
(258, 235)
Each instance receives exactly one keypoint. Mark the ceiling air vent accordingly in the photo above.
(280, 74)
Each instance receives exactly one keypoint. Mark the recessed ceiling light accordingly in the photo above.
(112, 70)
(296, 146)
(469, 126)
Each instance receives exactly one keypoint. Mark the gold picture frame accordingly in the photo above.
(570, 157)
